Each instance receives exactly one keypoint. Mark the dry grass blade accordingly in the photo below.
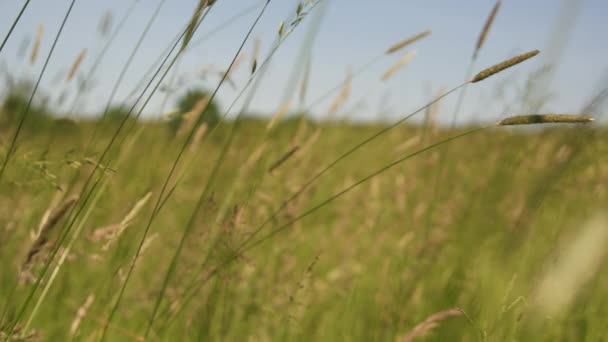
(278, 115)
(80, 314)
(192, 117)
(482, 75)
(283, 159)
(400, 63)
(398, 46)
(76, 64)
(36, 46)
(486, 27)
(45, 231)
(544, 119)
(202, 4)
(428, 324)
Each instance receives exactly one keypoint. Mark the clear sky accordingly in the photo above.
(570, 33)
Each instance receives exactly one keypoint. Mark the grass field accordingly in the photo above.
(369, 266)
(284, 228)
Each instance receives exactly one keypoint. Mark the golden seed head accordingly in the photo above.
(487, 26)
(398, 46)
(482, 75)
(544, 119)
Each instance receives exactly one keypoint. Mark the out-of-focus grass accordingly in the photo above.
(369, 266)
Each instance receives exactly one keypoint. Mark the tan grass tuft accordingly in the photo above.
(482, 75)
(544, 119)
(429, 324)
(37, 42)
(283, 158)
(76, 64)
(486, 28)
(398, 46)
(111, 233)
(400, 63)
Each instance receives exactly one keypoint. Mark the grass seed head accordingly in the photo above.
(545, 119)
(398, 46)
(495, 69)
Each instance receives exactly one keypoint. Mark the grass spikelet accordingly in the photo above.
(46, 230)
(398, 46)
(76, 64)
(254, 55)
(283, 158)
(105, 24)
(278, 115)
(202, 4)
(113, 232)
(545, 119)
(486, 28)
(190, 118)
(36, 46)
(400, 63)
(80, 314)
(482, 75)
(429, 324)
(281, 28)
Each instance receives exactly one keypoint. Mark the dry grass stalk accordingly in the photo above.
(111, 233)
(283, 158)
(398, 46)
(482, 75)
(36, 46)
(545, 118)
(202, 4)
(189, 119)
(80, 314)
(305, 80)
(433, 112)
(198, 136)
(343, 96)
(76, 64)
(46, 230)
(278, 115)
(428, 324)
(400, 63)
(486, 28)
(47, 214)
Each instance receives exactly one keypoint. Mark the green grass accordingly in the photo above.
(367, 267)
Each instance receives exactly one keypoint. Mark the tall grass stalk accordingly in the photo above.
(14, 24)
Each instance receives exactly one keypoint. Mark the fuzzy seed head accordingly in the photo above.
(482, 75)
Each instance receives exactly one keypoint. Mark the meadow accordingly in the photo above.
(285, 228)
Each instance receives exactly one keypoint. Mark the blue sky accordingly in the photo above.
(351, 34)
